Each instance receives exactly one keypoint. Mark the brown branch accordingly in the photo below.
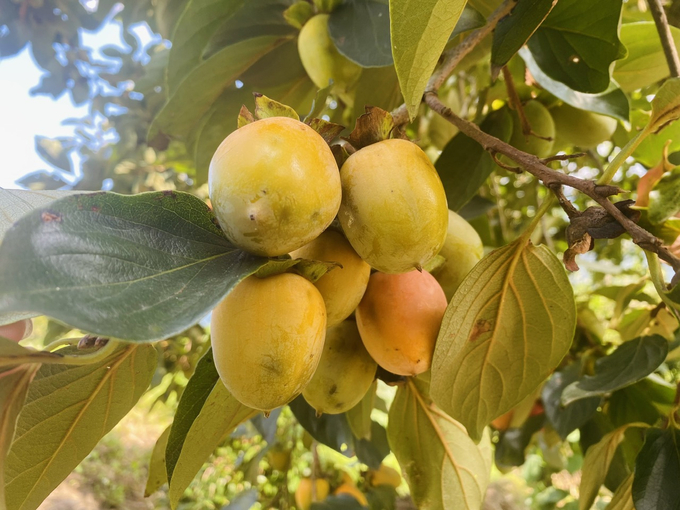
(554, 179)
(452, 57)
(667, 42)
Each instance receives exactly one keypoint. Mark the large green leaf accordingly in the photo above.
(13, 389)
(333, 430)
(578, 42)
(158, 474)
(140, 267)
(194, 29)
(206, 413)
(596, 464)
(419, 32)
(657, 471)
(206, 82)
(464, 165)
(645, 63)
(444, 468)
(612, 102)
(513, 31)
(67, 411)
(376, 87)
(507, 327)
(565, 419)
(360, 30)
(14, 204)
(632, 361)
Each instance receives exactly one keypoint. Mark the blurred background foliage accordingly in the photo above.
(156, 114)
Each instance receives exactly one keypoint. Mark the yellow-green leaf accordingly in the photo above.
(359, 417)
(596, 464)
(11, 354)
(444, 468)
(67, 411)
(506, 329)
(623, 497)
(665, 105)
(419, 32)
(220, 415)
(13, 388)
(157, 473)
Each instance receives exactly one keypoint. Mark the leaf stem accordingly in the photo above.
(624, 154)
(667, 42)
(48, 357)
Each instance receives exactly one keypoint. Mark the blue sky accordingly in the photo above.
(23, 116)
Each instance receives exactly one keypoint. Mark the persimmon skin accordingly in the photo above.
(462, 249)
(582, 128)
(274, 186)
(384, 475)
(393, 209)
(345, 372)
(399, 319)
(267, 339)
(303, 493)
(321, 59)
(542, 124)
(351, 490)
(343, 287)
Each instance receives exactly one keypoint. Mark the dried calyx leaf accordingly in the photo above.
(594, 223)
(374, 126)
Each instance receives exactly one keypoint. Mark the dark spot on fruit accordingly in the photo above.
(252, 217)
(264, 191)
(333, 390)
(48, 217)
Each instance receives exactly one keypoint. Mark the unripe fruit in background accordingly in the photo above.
(303, 494)
(582, 128)
(321, 59)
(267, 339)
(541, 123)
(343, 287)
(462, 249)
(279, 458)
(274, 186)
(351, 490)
(440, 130)
(399, 320)
(393, 209)
(384, 475)
(345, 372)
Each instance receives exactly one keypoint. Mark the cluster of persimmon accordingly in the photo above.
(276, 188)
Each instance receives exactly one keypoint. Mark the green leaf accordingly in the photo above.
(507, 327)
(510, 449)
(14, 384)
(513, 31)
(206, 413)
(577, 43)
(374, 450)
(205, 83)
(623, 497)
(158, 475)
(565, 419)
(470, 19)
(359, 417)
(319, 104)
(140, 267)
(419, 32)
(67, 411)
(632, 361)
(657, 471)
(14, 204)
(645, 63)
(376, 87)
(664, 200)
(612, 102)
(665, 105)
(243, 501)
(464, 165)
(360, 30)
(195, 27)
(330, 429)
(444, 468)
(596, 464)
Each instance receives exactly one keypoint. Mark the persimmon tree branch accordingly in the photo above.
(452, 57)
(555, 180)
(667, 42)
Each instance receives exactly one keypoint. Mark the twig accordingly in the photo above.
(452, 57)
(554, 179)
(667, 42)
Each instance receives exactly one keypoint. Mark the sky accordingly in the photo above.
(23, 116)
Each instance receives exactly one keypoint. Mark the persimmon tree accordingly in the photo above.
(550, 129)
